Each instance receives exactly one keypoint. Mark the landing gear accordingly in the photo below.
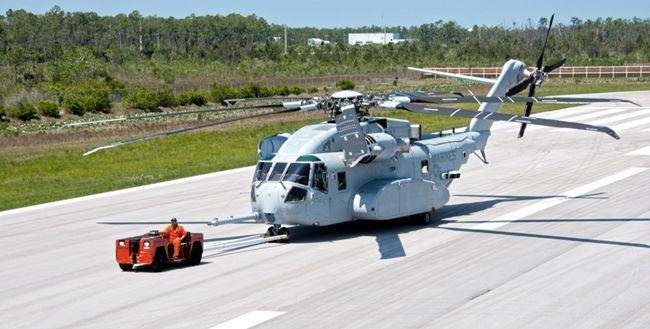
(278, 230)
(423, 219)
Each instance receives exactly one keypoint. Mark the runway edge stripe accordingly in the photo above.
(248, 320)
(123, 191)
(566, 196)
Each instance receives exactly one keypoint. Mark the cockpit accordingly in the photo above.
(297, 177)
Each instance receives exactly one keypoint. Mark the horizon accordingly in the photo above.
(498, 13)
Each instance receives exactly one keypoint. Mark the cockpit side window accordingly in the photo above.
(276, 172)
(297, 173)
(319, 180)
(261, 170)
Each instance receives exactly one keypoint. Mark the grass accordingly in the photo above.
(41, 167)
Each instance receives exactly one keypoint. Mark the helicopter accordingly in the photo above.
(358, 167)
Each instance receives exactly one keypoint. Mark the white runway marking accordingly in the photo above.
(118, 192)
(551, 202)
(643, 151)
(605, 121)
(546, 115)
(628, 125)
(576, 118)
(248, 320)
(619, 117)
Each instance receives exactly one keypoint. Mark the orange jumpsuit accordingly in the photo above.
(175, 237)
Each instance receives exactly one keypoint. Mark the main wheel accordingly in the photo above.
(425, 218)
(197, 253)
(284, 231)
(159, 260)
(421, 219)
(126, 267)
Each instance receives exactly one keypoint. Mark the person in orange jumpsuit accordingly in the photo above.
(175, 233)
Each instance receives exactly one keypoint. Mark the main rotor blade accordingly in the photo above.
(181, 130)
(507, 118)
(515, 99)
(171, 114)
(232, 101)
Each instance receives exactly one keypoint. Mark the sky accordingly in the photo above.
(342, 13)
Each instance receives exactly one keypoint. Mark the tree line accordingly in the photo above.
(29, 37)
(86, 58)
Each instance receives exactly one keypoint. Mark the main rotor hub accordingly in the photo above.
(344, 98)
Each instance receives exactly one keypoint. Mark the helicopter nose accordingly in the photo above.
(271, 201)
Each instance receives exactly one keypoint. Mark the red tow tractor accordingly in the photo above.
(153, 249)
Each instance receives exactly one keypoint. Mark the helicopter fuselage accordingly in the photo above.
(306, 182)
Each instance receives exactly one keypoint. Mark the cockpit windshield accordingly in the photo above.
(276, 172)
(261, 170)
(297, 173)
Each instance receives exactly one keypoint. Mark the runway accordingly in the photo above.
(553, 233)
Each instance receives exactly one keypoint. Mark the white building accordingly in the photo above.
(317, 42)
(373, 38)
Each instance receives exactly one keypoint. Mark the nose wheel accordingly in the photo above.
(276, 230)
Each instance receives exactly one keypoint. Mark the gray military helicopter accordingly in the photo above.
(358, 167)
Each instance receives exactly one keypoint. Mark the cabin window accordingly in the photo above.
(340, 177)
(297, 173)
(276, 172)
(261, 170)
(296, 194)
(425, 167)
(319, 181)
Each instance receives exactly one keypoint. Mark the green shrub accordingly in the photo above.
(345, 85)
(166, 98)
(143, 100)
(197, 98)
(281, 90)
(98, 101)
(150, 101)
(296, 90)
(219, 93)
(48, 108)
(312, 90)
(22, 111)
(183, 99)
(74, 104)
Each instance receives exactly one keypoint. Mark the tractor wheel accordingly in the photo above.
(126, 267)
(197, 253)
(159, 260)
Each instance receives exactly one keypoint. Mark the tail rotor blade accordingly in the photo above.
(540, 59)
(527, 111)
(549, 68)
(523, 84)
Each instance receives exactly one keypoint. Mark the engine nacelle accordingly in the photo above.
(269, 146)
